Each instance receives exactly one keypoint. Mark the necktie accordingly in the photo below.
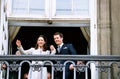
(58, 49)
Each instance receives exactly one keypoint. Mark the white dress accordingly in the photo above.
(42, 74)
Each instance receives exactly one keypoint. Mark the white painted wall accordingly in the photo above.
(93, 36)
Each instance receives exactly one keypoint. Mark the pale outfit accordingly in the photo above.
(42, 74)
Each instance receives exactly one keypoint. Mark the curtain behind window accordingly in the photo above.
(13, 31)
(86, 33)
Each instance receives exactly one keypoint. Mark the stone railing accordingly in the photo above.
(90, 67)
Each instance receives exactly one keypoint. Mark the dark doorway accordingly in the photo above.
(29, 35)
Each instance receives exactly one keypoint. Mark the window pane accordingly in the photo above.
(19, 6)
(81, 7)
(63, 7)
(72, 7)
(37, 6)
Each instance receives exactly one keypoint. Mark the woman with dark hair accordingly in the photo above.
(40, 49)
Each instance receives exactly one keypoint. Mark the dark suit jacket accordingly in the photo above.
(67, 49)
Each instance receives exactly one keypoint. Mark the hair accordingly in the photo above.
(45, 45)
(58, 33)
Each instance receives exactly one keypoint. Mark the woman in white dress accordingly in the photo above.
(40, 49)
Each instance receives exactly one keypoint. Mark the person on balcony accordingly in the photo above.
(12, 74)
(40, 49)
(3, 68)
(63, 49)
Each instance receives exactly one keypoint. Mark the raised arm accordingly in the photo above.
(52, 49)
(20, 48)
(18, 43)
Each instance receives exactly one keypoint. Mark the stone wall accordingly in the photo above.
(115, 26)
(108, 20)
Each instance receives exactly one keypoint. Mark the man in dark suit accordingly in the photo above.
(63, 49)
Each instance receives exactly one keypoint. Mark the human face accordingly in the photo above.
(40, 42)
(58, 40)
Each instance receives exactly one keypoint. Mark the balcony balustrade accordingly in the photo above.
(102, 64)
